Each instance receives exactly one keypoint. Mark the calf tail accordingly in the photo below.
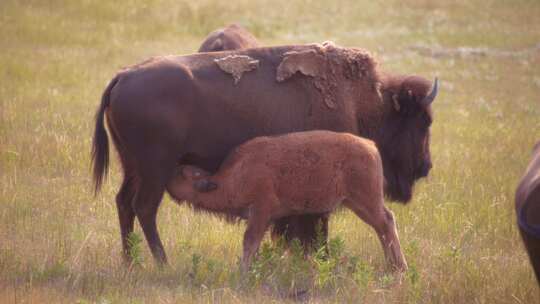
(100, 144)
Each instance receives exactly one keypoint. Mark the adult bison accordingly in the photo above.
(194, 109)
(231, 37)
(528, 210)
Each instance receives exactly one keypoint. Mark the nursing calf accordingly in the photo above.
(312, 172)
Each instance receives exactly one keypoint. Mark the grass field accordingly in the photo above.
(59, 244)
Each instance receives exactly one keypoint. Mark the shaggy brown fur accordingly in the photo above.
(528, 210)
(231, 37)
(186, 110)
(304, 172)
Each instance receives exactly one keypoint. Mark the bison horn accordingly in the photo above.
(431, 96)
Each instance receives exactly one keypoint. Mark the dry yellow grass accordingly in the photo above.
(59, 244)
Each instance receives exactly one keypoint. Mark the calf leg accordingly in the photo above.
(126, 214)
(257, 224)
(382, 220)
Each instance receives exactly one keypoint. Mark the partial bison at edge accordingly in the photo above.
(268, 178)
(528, 210)
(186, 110)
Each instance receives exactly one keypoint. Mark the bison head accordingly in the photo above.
(403, 140)
(188, 179)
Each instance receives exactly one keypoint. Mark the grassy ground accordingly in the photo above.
(59, 243)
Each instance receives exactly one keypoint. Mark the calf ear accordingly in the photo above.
(204, 185)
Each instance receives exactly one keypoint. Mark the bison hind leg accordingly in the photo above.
(152, 178)
(126, 214)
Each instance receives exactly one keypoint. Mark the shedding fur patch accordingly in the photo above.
(312, 63)
(330, 66)
(236, 65)
(308, 62)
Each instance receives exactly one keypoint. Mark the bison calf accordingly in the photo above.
(313, 172)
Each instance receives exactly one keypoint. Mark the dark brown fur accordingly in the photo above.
(231, 37)
(528, 210)
(304, 172)
(186, 110)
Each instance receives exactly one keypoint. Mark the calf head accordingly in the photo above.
(187, 180)
(403, 140)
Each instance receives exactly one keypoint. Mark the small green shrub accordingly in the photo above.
(135, 249)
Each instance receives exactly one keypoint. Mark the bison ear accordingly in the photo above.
(395, 100)
(217, 45)
(204, 185)
(400, 101)
(411, 92)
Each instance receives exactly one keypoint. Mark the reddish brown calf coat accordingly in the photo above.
(298, 173)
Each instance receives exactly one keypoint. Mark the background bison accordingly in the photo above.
(191, 110)
(528, 210)
(231, 37)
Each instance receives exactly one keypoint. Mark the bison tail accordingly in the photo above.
(100, 143)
